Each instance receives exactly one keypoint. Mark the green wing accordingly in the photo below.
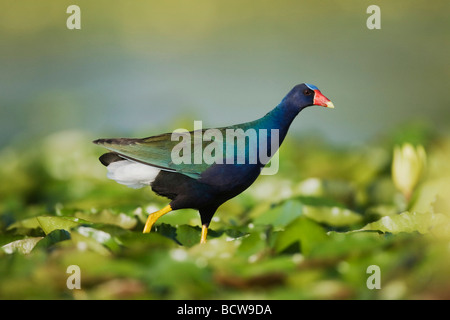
(157, 151)
(166, 150)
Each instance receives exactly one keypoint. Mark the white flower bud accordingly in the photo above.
(408, 166)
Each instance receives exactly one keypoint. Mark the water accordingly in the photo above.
(144, 68)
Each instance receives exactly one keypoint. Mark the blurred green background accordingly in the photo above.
(140, 65)
(139, 68)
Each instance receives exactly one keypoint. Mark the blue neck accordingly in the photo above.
(279, 118)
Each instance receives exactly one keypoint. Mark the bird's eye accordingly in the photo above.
(307, 92)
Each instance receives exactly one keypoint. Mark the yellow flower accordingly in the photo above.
(408, 166)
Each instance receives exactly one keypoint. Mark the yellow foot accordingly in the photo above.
(155, 216)
(204, 233)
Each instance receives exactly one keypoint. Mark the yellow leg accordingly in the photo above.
(204, 233)
(155, 216)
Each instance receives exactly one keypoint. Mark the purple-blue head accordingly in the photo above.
(305, 95)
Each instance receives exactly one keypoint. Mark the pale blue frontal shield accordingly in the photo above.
(312, 87)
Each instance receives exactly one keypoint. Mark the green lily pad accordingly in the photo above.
(332, 216)
(99, 236)
(53, 237)
(188, 235)
(302, 232)
(30, 223)
(107, 216)
(424, 223)
(23, 246)
(281, 214)
(48, 224)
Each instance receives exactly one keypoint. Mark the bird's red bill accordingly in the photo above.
(321, 100)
